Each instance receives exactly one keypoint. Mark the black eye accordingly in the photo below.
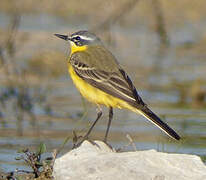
(78, 38)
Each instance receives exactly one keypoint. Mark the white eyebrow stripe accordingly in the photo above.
(86, 38)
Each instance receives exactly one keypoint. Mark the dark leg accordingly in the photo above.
(99, 114)
(109, 123)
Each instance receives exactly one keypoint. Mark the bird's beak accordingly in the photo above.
(65, 37)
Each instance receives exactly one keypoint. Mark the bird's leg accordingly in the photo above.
(109, 123)
(99, 114)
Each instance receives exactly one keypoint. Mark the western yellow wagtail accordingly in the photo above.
(101, 80)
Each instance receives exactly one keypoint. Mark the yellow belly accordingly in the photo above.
(95, 95)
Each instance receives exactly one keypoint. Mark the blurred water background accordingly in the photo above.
(160, 43)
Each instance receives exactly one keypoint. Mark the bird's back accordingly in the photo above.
(100, 58)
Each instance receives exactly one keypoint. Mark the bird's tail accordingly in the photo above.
(146, 112)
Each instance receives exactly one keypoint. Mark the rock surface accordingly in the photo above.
(99, 162)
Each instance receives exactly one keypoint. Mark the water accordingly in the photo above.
(68, 108)
(190, 124)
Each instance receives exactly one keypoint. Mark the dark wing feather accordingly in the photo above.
(116, 84)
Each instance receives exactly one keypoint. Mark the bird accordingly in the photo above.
(100, 79)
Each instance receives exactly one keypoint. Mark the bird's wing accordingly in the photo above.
(117, 84)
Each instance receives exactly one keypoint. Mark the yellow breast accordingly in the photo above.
(91, 93)
(95, 95)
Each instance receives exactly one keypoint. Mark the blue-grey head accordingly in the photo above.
(81, 38)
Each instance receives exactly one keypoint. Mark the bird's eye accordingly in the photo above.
(78, 38)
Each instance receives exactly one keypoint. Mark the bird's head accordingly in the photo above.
(80, 40)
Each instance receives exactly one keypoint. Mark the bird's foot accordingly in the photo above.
(80, 140)
(105, 141)
(77, 140)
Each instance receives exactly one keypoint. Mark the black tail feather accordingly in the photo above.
(158, 122)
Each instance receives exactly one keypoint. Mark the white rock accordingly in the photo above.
(99, 162)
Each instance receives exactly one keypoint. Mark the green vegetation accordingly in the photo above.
(40, 162)
(40, 168)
